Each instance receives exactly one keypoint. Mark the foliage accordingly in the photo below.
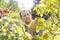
(6, 34)
(11, 4)
(49, 18)
(3, 4)
(48, 21)
(14, 15)
(14, 5)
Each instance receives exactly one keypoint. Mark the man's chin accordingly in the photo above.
(28, 22)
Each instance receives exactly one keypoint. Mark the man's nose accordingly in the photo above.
(26, 15)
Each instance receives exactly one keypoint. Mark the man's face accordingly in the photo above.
(26, 16)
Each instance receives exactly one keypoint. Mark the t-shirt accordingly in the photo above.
(31, 28)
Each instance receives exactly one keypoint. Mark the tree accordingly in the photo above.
(14, 5)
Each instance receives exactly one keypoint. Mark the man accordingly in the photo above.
(30, 25)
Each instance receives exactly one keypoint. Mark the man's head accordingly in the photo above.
(26, 16)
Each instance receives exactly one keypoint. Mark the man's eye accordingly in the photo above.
(24, 15)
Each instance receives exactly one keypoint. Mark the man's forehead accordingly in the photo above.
(25, 12)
